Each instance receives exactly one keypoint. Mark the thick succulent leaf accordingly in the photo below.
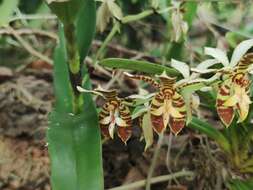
(147, 130)
(182, 67)
(142, 66)
(70, 138)
(239, 51)
(62, 87)
(217, 54)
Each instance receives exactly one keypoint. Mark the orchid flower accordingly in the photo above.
(191, 83)
(167, 106)
(233, 93)
(114, 116)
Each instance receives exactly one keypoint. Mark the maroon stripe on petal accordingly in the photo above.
(157, 122)
(226, 114)
(124, 133)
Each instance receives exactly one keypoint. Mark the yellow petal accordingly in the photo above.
(231, 101)
(175, 113)
(120, 122)
(243, 111)
(105, 121)
(166, 117)
(158, 112)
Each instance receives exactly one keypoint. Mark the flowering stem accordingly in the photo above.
(154, 161)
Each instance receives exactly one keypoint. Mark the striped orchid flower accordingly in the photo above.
(167, 106)
(115, 115)
(233, 91)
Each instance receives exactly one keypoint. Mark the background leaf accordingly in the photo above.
(85, 27)
(142, 66)
(6, 9)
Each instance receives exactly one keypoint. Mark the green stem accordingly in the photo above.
(131, 18)
(73, 65)
(154, 162)
(114, 30)
(125, 20)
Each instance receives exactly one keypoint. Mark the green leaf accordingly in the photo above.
(190, 11)
(75, 151)
(74, 140)
(141, 66)
(62, 87)
(7, 7)
(238, 184)
(67, 10)
(85, 27)
(211, 132)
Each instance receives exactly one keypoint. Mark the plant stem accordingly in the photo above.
(125, 20)
(158, 179)
(131, 18)
(114, 30)
(154, 161)
(73, 65)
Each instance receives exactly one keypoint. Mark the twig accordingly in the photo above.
(28, 47)
(154, 180)
(28, 31)
(154, 160)
(33, 17)
(126, 52)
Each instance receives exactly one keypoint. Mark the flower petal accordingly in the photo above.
(182, 67)
(231, 101)
(226, 115)
(111, 129)
(124, 133)
(124, 123)
(176, 124)
(239, 51)
(217, 54)
(157, 122)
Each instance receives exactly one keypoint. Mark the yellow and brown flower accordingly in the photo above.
(167, 106)
(115, 116)
(233, 94)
